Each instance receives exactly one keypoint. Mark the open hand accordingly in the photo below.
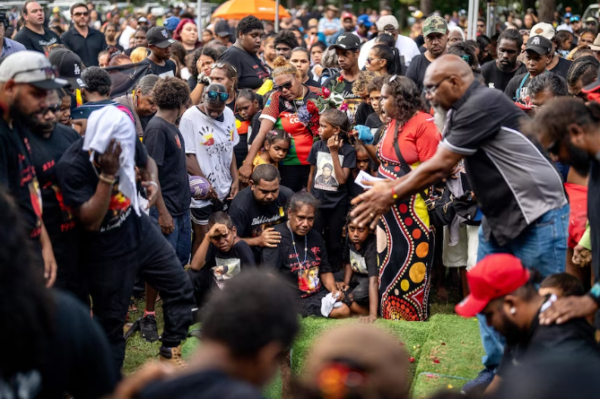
(109, 161)
(565, 309)
(373, 203)
(270, 238)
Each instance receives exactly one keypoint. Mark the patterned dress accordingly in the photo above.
(404, 239)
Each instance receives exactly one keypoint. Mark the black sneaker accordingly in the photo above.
(480, 383)
(148, 328)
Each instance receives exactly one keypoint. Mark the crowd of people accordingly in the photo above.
(336, 168)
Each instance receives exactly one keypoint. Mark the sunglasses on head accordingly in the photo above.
(215, 95)
(286, 86)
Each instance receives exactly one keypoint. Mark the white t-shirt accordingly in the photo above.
(407, 47)
(125, 36)
(212, 142)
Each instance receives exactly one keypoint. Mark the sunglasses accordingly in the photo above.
(53, 108)
(369, 60)
(79, 14)
(215, 95)
(221, 65)
(286, 86)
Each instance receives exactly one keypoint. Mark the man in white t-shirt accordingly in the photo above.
(210, 134)
(389, 25)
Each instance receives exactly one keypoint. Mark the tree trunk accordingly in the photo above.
(546, 11)
(426, 6)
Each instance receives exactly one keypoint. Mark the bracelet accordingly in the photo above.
(394, 195)
(106, 180)
(152, 183)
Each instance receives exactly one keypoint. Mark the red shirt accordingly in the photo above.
(578, 215)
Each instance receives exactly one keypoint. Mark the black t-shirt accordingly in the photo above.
(255, 126)
(364, 260)
(192, 82)
(167, 70)
(46, 152)
(373, 122)
(494, 77)
(165, 145)
(17, 174)
(416, 70)
(326, 187)
(350, 99)
(250, 70)
(36, 42)
(251, 218)
(594, 218)
(518, 88)
(304, 276)
(87, 48)
(78, 358)
(362, 113)
(226, 265)
(311, 82)
(574, 337)
(120, 231)
(206, 384)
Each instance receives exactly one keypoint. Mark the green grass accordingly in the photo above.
(448, 338)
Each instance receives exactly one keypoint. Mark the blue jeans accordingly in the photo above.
(541, 246)
(181, 237)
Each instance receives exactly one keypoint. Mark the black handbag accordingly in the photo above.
(440, 206)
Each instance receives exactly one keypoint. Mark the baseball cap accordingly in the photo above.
(348, 41)
(385, 21)
(69, 67)
(32, 68)
(364, 20)
(347, 15)
(142, 19)
(493, 277)
(159, 36)
(332, 8)
(542, 29)
(591, 19)
(222, 29)
(171, 23)
(435, 24)
(539, 45)
(568, 15)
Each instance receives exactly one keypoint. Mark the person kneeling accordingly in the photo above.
(221, 256)
(301, 259)
(360, 285)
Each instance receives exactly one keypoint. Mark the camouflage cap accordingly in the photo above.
(434, 24)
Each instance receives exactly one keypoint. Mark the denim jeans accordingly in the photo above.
(541, 246)
(181, 237)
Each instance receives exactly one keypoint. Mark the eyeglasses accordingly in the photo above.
(432, 88)
(286, 86)
(215, 95)
(79, 14)
(53, 108)
(369, 60)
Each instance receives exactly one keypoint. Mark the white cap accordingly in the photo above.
(542, 29)
(385, 21)
(32, 68)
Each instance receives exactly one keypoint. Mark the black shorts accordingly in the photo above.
(200, 215)
(311, 306)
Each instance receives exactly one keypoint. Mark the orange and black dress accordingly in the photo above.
(404, 240)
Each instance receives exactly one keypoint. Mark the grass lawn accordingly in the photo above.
(447, 349)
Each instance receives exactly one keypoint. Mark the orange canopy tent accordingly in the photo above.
(261, 9)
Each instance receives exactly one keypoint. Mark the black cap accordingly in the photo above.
(539, 44)
(159, 36)
(347, 41)
(222, 29)
(592, 87)
(69, 67)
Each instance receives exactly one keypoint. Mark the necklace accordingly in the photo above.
(294, 244)
(295, 106)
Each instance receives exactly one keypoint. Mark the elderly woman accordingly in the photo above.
(455, 35)
(301, 259)
(281, 111)
(403, 234)
(141, 103)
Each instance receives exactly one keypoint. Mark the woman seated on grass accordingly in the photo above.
(301, 259)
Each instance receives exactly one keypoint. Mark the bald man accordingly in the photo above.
(518, 190)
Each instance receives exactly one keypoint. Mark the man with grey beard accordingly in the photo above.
(48, 141)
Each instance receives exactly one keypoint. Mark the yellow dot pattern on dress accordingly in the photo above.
(417, 272)
(405, 285)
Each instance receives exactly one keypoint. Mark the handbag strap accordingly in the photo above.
(403, 165)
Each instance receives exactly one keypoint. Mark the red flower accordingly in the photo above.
(312, 108)
(326, 92)
(340, 79)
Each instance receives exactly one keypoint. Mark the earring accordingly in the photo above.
(513, 310)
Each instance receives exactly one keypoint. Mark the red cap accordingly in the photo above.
(347, 15)
(495, 276)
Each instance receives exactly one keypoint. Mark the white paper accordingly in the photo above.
(364, 176)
